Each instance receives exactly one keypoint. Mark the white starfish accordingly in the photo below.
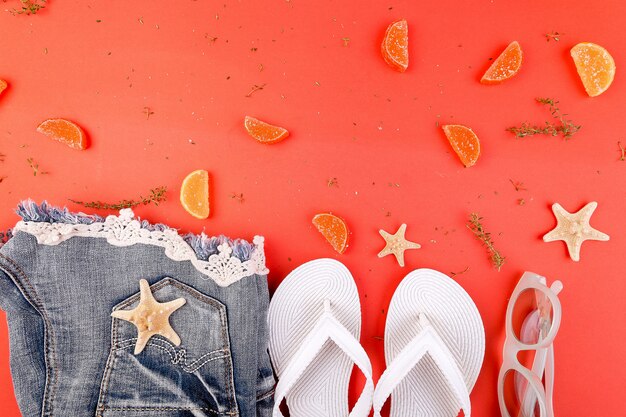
(574, 228)
(151, 317)
(396, 244)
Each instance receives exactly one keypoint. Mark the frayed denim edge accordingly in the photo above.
(203, 245)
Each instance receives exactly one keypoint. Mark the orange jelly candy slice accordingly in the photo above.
(3, 86)
(65, 132)
(595, 67)
(264, 132)
(334, 230)
(505, 66)
(395, 46)
(194, 194)
(464, 142)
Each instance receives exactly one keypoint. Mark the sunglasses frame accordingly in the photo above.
(512, 345)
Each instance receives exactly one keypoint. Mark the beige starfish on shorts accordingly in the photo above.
(151, 317)
(574, 228)
(396, 244)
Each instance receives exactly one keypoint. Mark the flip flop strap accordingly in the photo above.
(327, 328)
(427, 341)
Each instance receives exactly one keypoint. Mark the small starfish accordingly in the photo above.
(151, 317)
(396, 244)
(574, 228)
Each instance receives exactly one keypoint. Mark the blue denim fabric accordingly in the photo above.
(69, 357)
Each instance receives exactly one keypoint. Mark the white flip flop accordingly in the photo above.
(434, 348)
(315, 324)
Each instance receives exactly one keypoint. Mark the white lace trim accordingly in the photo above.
(125, 230)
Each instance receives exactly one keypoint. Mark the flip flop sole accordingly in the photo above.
(453, 314)
(294, 310)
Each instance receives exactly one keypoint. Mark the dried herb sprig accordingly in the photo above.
(35, 167)
(518, 185)
(148, 112)
(475, 225)
(238, 197)
(555, 36)
(30, 7)
(453, 274)
(156, 196)
(3, 177)
(255, 88)
(565, 127)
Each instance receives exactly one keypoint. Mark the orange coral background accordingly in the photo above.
(350, 117)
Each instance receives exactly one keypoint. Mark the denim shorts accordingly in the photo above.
(62, 275)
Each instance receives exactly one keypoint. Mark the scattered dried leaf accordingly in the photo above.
(35, 167)
(148, 112)
(156, 196)
(238, 197)
(475, 225)
(518, 185)
(255, 88)
(555, 36)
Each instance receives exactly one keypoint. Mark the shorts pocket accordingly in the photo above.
(195, 378)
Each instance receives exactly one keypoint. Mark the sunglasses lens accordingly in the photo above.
(520, 398)
(532, 316)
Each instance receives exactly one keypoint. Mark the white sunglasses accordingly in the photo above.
(536, 333)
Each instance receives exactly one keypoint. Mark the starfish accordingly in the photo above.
(151, 317)
(396, 244)
(574, 228)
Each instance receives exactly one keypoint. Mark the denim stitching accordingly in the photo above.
(49, 391)
(228, 370)
(262, 291)
(226, 347)
(266, 395)
(178, 357)
(181, 355)
(170, 281)
(175, 360)
(106, 376)
(226, 413)
(125, 342)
